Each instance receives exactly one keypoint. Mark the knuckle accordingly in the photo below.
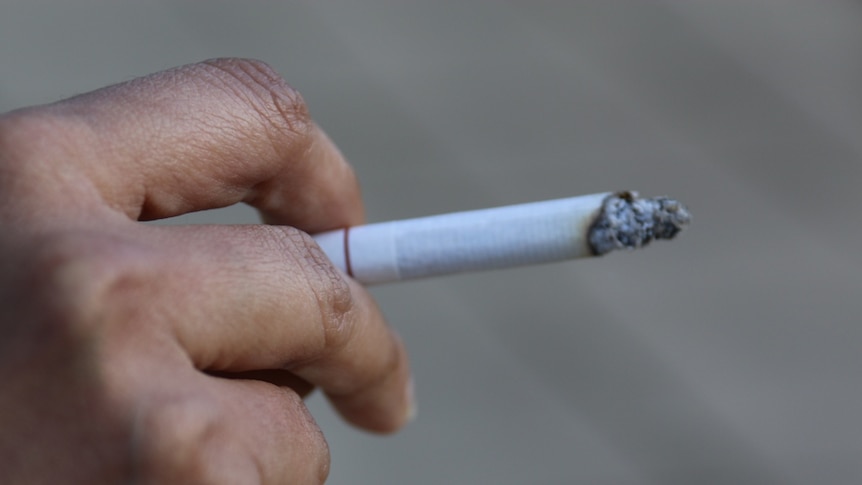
(32, 142)
(331, 291)
(175, 441)
(307, 438)
(19, 129)
(83, 276)
(74, 276)
(195, 439)
(270, 95)
(30, 138)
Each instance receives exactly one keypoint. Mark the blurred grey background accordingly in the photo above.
(730, 356)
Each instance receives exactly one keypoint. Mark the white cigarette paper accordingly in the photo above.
(538, 232)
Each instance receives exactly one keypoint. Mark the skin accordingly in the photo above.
(136, 353)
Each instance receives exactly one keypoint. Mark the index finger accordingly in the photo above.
(209, 135)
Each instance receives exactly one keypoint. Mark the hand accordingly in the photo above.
(138, 353)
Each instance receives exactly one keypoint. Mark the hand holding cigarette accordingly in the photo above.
(539, 232)
(181, 354)
(135, 353)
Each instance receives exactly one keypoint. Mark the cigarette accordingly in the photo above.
(502, 237)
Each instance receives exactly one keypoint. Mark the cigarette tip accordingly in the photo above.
(627, 221)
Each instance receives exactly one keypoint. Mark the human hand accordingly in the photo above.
(180, 354)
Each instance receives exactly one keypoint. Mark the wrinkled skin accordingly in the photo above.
(137, 353)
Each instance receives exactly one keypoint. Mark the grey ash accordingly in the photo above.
(627, 221)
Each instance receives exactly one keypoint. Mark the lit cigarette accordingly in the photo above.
(501, 237)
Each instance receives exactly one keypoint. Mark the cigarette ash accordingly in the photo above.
(627, 221)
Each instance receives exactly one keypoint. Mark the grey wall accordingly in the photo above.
(730, 356)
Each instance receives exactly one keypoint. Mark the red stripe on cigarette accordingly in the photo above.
(347, 252)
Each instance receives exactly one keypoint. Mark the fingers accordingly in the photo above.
(285, 443)
(203, 136)
(363, 369)
(215, 430)
(246, 298)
